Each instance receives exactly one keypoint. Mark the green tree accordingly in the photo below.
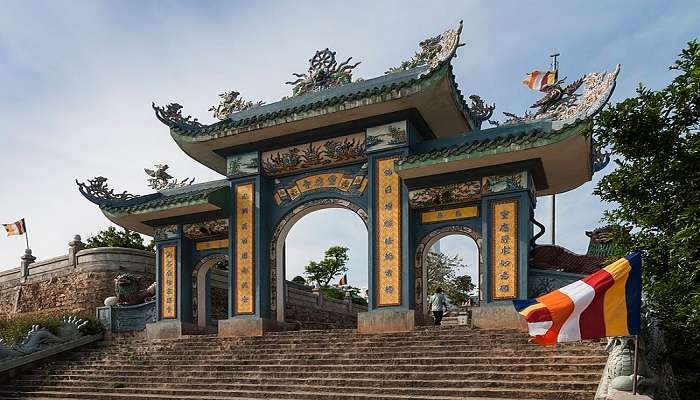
(656, 186)
(111, 237)
(299, 279)
(441, 273)
(332, 265)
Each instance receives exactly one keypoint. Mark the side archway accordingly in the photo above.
(199, 287)
(421, 273)
(279, 236)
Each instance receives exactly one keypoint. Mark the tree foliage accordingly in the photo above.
(111, 237)
(656, 186)
(441, 273)
(332, 265)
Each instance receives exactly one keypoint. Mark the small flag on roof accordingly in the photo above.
(605, 303)
(539, 80)
(343, 281)
(15, 228)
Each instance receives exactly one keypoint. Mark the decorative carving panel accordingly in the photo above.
(242, 164)
(387, 136)
(504, 249)
(168, 282)
(315, 154)
(166, 232)
(388, 233)
(245, 237)
(504, 183)
(444, 195)
(206, 229)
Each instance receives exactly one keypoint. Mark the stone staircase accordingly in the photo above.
(428, 363)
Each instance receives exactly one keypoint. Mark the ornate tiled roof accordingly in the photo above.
(168, 199)
(493, 141)
(370, 91)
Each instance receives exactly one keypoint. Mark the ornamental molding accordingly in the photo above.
(230, 103)
(434, 51)
(39, 338)
(159, 179)
(97, 191)
(565, 102)
(324, 72)
(171, 115)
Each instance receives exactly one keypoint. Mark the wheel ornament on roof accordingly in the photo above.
(324, 72)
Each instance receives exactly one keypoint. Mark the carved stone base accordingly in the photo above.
(386, 321)
(169, 329)
(497, 316)
(246, 327)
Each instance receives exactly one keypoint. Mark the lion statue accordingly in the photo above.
(126, 288)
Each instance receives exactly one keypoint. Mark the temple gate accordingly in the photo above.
(405, 151)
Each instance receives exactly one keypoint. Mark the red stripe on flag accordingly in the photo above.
(592, 320)
(560, 307)
(539, 315)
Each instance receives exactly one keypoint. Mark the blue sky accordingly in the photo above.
(77, 80)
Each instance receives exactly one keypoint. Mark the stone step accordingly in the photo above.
(54, 395)
(233, 383)
(390, 367)
(217, 376)
(320, 392)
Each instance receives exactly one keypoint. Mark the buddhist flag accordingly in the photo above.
(15, 228)
(537, 80)
(343, 281)
(605, 303)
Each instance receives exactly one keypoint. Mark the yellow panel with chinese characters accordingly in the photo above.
(245, 236)
(504, 249)
(451, 214)
(388, 236)
(168, 282)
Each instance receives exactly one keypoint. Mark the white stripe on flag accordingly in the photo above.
(582, 295)
(538, 328)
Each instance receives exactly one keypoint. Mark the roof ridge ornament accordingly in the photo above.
(563, 102)
(480, 111)
(230, 103)
(161, 180)
(434, 51)
(324, 72)
(97, 191)
(171, 115)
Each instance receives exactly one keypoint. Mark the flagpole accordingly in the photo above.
(636, 364)
(26, 236)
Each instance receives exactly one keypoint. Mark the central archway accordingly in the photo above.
(421, 273)
(277, 270)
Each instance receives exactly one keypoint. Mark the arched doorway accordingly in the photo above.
(460, 241)
(210, 290)
(280, 234)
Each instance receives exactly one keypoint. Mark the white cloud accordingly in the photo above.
(77, 80)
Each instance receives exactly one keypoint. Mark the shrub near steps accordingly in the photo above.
(429, 363)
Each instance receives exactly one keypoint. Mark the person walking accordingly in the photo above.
(438, 305)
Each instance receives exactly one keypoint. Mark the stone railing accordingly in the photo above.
(309, 308)
(39, 343)
(75, 283)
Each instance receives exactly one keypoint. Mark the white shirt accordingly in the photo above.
(437, 302)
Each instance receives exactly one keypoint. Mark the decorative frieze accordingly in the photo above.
(206, 229)
(315, 154)
(168, 282)
(335, 181)
(504, 249)
(388, 233)
(444, 195)
(387, 136)
(451, 214)
(245, 237)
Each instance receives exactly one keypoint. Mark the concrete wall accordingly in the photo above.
(75, 283)
(312, 310)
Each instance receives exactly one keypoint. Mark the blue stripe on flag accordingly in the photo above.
(523, 304)
(633, 293)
